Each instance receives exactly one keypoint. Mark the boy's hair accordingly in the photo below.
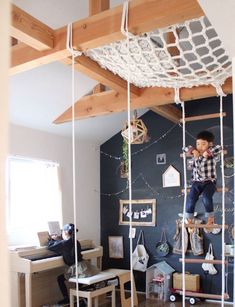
(206, 136)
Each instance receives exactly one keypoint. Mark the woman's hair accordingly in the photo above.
(206, 136)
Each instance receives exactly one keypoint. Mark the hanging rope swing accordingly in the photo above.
(183, 55)
(149, 60)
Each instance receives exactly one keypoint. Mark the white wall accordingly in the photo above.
(222, 17)
(4, 66)
(36, 144)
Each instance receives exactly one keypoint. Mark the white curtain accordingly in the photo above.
(34, 198)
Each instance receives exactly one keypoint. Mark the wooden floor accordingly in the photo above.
(156, 303)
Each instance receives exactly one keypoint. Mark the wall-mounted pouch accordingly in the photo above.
(162, 247)
(140, 256)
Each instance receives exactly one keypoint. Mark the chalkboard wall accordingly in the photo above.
(166, 137)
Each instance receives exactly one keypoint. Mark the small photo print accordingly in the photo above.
(132, 233)
(161, 158)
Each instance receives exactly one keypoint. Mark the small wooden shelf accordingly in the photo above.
(205, 226)
(202, 117)
(196, 260)
(219, 189)
(204, 295)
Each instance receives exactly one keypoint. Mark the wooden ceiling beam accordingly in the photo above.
(110, 101)
(143, 16)
(14, 41)
(30, 30)
(98, 88)
(104, 28)
(169, 112)
(101, 75)
(24, 58)
(97, 6)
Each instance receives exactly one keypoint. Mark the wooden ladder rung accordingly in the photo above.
(219, 190)
(205, 295)
(196, 260)
(205, 226)
(202, 117)
(190, 155)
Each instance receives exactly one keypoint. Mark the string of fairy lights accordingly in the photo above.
(141, 175)
(152, 189)
(143, 148)
(153, 143)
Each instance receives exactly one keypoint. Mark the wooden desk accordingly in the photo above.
(34, 282)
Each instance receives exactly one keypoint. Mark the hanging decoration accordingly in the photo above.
(143, 148)
(124, 164)
(138, 131)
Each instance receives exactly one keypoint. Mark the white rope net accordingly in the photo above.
(182, 55)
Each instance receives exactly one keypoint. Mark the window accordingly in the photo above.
(34, 198)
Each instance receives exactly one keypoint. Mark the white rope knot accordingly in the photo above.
(69, 41)
(124, 22)
(219, 90)
(177, 96)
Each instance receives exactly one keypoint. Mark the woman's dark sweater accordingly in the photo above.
(66, 249)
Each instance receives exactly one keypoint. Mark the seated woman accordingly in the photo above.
(65, 246)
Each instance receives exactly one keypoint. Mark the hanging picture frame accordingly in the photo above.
(171, 177)
(144, 209)
(161, 158)
(116, 247)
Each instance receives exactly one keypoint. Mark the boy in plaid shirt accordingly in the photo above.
(203, 175)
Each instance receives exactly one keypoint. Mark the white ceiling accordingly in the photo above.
(222, 16)
(40, 95)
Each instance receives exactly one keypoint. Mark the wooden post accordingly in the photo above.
(4, 66)
(233, 63)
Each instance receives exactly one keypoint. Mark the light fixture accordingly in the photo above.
(138, 131)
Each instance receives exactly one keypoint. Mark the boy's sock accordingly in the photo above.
(190, 221)
(210, 221)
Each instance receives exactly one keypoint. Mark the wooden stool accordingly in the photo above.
(89, 295)
(124, 276)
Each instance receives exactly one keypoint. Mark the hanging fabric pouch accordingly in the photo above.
(140, 256)
(162, 246)
(209, 266)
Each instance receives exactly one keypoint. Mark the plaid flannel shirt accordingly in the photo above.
(204, 169)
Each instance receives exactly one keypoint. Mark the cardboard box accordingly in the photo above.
(192, 281)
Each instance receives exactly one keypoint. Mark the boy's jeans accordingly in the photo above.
(207, 189)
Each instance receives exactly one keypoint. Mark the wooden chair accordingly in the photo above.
(92, 294)
(124, 276)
